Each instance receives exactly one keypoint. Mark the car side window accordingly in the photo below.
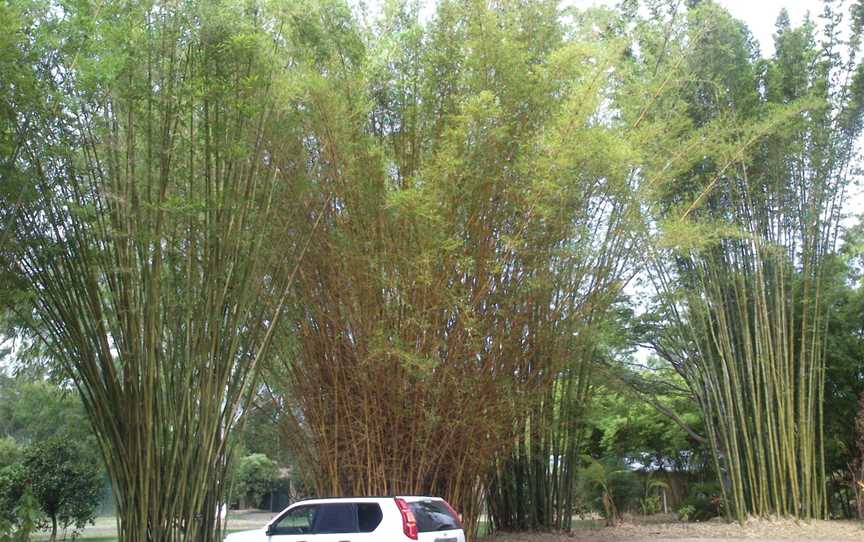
(335, 518)
(298, 520)
(369, 516)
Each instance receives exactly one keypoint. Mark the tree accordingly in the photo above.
(253, 477)
(485, 175)
(26, 517)
(11, 488)
(66, 482)
(476, 205)
(61, 476)
(35, 410)
(10, 451)
(844, 374)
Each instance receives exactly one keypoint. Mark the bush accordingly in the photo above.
(60, 478)
(254, 477)
(10, 452)
(12, 479)
(26, 518)
(686, 512)
(610, 484)
(703, 503)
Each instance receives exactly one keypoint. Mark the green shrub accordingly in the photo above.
(703, 503)
(649, 505)
(611, 485)
(686, 512)
(12, 479)
(27, 517)
(60, 478)
(254, 477)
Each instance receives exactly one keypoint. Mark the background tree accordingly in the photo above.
(66, 482)
(62, 476)
(252, 477)
(33, 410)
(10, 451)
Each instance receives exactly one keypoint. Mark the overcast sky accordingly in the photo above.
(759, 15)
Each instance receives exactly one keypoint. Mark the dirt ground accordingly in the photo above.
(656, 530)
(762, 531)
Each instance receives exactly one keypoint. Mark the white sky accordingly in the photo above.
(759, 15)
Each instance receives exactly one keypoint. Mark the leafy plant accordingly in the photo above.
(254, 476)
(26, 517)
(704, 502)
(650, 501)
(686, 512)
(66, 483)
(610, 482)
(29, 515)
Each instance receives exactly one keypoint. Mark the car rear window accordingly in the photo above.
(433, 516)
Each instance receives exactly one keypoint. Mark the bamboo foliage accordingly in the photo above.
(157, 168)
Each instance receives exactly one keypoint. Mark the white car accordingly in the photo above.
(361, 519)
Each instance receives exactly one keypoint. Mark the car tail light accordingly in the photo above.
(457, 516)
(409, 523)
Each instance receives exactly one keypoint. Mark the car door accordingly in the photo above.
(336, 522)
(295, 525)
(326, 522)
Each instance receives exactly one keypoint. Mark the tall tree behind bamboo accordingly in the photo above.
(744, 285)
(155, 155)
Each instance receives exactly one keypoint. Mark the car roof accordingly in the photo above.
(323, 500)
(408, 498)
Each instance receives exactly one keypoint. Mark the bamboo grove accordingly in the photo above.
(406, 230)
(469, 263)
(748, 290)
(155, 166)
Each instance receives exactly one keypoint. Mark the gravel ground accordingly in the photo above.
(762, 531)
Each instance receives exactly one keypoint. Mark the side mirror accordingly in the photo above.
(269, 530)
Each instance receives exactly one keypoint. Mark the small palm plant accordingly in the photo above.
(649, 502)
(602, 477)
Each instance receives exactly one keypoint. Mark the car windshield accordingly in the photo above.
(433, 516)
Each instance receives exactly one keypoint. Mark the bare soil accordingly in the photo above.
(761, 530)
(656, 529)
